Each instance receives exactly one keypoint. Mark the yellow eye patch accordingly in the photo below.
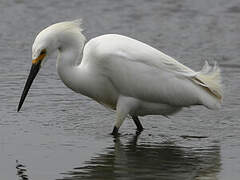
(39, 58)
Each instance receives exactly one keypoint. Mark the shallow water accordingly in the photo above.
(62, 135)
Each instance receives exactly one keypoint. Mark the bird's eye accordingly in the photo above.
(43, 52)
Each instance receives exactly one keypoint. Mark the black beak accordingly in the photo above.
(33, 72)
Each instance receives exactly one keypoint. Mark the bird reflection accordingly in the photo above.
(148, 161)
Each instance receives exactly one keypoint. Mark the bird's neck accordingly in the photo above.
(69, 64)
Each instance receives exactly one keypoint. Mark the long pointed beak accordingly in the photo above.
(33, 72)
(36, 64)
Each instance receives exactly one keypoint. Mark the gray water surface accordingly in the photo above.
(63, 135)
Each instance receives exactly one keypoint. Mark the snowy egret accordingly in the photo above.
(123, 74)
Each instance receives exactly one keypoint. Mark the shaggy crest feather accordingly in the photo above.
(64, 26)
(69, 24)
(78, 23)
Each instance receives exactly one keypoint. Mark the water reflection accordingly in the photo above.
(150, 161)
(21, 171)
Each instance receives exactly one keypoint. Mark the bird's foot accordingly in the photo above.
(115, 132)
(139, 131)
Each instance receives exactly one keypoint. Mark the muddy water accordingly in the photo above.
(63, 135)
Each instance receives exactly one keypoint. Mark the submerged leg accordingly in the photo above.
(122, 112)
(121, 115)
(138, 123)
(124, 106)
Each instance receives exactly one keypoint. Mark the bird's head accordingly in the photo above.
(47, 42)
(44, 45)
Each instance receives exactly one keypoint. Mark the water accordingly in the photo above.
(62, 135)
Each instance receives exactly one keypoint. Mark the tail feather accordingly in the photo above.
(210, 78)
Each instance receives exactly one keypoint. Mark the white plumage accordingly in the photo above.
(127, 75)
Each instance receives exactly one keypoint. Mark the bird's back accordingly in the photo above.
(119, 45)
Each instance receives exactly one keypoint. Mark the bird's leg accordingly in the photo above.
(124, 106)
(121, 115)
(138, 123)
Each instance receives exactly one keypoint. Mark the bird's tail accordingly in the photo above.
(210, 79)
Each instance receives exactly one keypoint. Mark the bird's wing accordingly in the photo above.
(138, 70)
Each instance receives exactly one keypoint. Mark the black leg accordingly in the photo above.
(138, 123)
(115, 131)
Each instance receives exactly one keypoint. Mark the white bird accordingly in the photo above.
(123, 74)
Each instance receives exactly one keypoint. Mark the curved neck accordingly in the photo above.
(69, 60)
(70, 49)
